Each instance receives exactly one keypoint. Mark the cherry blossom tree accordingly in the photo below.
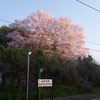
(54, 35)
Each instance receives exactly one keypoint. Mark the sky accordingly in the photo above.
(77, 12)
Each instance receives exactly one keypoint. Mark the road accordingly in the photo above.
(80, 97)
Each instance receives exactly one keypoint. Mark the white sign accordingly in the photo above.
(44, 82)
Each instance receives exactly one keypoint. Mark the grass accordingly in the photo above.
(62, 91)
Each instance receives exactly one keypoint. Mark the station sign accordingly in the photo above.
(44, 82)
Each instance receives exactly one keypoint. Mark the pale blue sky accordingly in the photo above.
(80, 14)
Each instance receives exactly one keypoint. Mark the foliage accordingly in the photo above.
(83, 73)
(88, 70)
(62, 91)
(1, 54)
(54, 35)
(18, 96)
(4, 30)
(44, 36)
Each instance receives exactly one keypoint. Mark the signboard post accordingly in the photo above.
(45, 83)
(40, 71)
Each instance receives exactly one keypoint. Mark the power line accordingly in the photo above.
(95, 50)
(90, 48)
(97, 11)
(88, 6)
(92, 43)
(7, 17)
(5, 21)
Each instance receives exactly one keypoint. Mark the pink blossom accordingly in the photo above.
(55, 35)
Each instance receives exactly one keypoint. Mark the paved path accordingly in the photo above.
(79, 97)
(82, 97)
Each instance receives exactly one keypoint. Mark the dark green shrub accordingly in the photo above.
(86, 89)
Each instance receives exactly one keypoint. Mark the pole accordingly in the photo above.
(39, 87)
(28, 75)
(52, 90)
(40, 71)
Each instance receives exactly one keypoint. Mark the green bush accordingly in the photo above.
(66, 91)
(86, 89)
